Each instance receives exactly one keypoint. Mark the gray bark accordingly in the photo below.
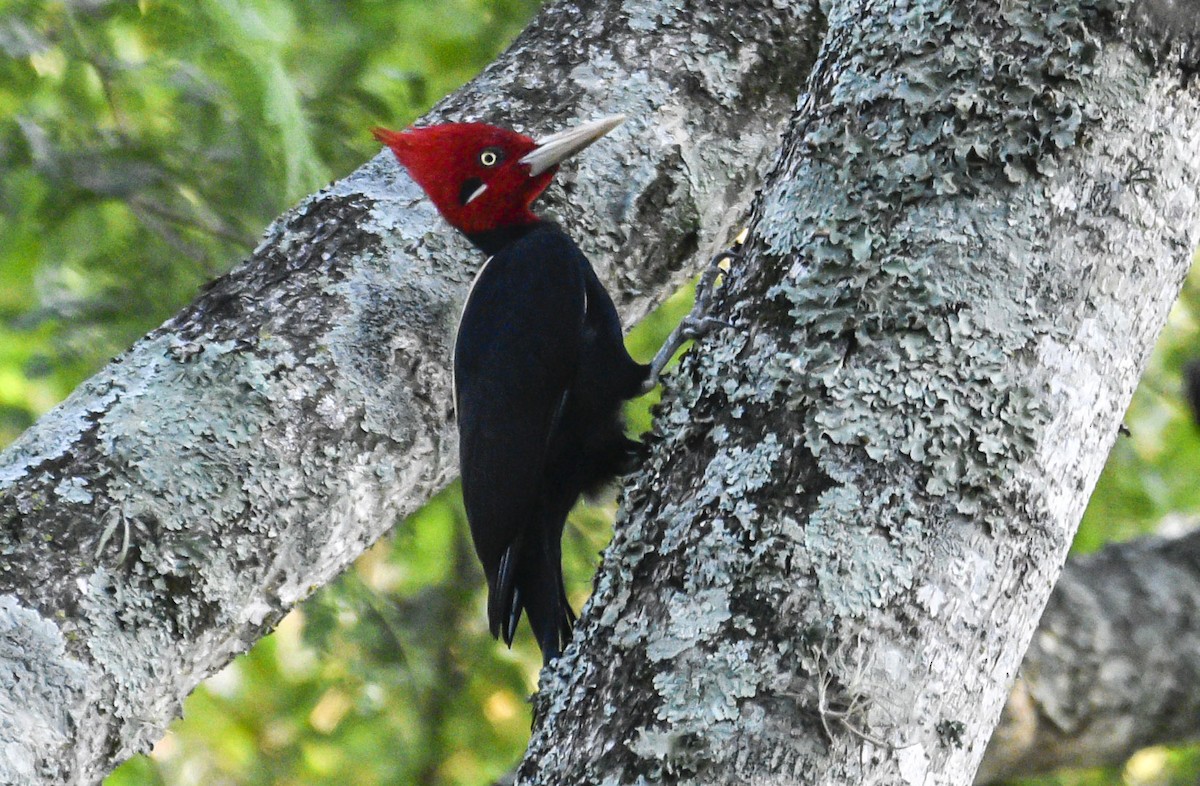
(253, 445)
(169, 512)
(1113, 667)
(863, 493)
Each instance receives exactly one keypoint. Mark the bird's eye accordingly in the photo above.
(489, 157)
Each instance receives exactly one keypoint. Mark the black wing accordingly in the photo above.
(516, 354)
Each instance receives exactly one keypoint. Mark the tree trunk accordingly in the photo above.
(861, 495)
(899, 454)
(1114, 665)
(169, 512)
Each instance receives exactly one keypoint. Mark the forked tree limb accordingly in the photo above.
(180, 501)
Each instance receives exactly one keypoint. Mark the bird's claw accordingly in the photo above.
(696, 327)
(708, 279)
(697, 323)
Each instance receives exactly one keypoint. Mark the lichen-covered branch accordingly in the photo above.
(161, 519)
(862, 494)
(1114, 665)
(1167, 32)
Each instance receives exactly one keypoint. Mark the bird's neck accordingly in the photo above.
(492, 241)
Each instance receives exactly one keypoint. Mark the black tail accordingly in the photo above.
(530, 580)
(504, 594)
(540, 590)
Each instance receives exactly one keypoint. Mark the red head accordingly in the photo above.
(481, 177)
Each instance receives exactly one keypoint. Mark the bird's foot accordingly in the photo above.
(697, 323)
(693, 327)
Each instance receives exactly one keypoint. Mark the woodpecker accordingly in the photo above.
(540, 366)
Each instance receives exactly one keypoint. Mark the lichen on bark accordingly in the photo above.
(171, 510)
(861, 494)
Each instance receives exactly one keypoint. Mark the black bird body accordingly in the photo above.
(541, 372)
(540, 364)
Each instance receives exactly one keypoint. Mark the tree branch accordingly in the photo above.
(1114, 665)
(167, 514)
(835, 559)
(1168, 32)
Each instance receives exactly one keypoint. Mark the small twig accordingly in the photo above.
(857, 706)
(214, 229)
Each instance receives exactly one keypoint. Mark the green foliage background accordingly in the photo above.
(143, 148)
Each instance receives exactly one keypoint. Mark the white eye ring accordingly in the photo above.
(488, 158)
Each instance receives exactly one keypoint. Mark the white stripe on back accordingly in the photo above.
(458, 327)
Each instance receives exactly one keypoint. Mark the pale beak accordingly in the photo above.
(558, 147)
